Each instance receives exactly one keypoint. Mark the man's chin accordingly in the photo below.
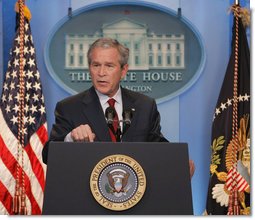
(102, 90)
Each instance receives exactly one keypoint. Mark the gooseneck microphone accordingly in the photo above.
(110, 114)
(127, 116)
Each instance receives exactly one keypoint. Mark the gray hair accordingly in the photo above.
(109, 43)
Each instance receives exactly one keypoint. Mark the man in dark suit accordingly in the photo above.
(82, 117)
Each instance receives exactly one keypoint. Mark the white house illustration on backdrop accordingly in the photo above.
(148, 50)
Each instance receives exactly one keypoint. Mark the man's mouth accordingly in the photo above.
(102, 82)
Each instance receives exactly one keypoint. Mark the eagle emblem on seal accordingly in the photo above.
(118, 180)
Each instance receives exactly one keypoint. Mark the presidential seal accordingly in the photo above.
(118, 182)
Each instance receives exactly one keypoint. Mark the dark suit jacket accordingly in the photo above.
(85, 108)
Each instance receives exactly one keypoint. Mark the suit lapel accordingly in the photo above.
(95, 115)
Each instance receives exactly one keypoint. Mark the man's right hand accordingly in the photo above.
(83, 133)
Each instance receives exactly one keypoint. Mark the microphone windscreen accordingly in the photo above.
(127, 116)
(110, 114)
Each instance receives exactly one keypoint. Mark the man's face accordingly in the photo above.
(105, 70)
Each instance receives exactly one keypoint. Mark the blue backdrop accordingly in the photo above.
(193, 109)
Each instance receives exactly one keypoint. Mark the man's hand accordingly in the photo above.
(191, 168)
(83, 133)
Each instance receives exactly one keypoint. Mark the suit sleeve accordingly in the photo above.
(59, 130)
(155, 134)
(62, 125)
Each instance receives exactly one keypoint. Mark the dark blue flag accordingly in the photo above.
(229, 185)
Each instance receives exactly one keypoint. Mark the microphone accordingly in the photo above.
(110, 114)
(127, 116)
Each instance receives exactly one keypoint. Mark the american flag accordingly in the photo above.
(35, 129)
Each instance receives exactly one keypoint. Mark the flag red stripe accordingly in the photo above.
(243, 185)
(6, 198)
(11, 163)
(7, 157)
(42, 134)
(36, 210)
(36, 165)
(235, 179)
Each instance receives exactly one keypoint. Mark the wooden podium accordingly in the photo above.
(166, 166)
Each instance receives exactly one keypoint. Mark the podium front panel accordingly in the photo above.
(166, 166)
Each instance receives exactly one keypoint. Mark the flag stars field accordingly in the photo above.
(31, 62)
(14, 74)
(29, 74)
(241, 98)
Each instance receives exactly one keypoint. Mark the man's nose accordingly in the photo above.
(102, 71)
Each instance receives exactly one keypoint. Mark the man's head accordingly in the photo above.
(108, 64)
(110, 43)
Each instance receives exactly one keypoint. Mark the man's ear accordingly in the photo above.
(124, 71)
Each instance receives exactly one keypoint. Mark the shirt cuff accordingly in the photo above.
(68, 138)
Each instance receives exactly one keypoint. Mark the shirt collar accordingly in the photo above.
(104, 98)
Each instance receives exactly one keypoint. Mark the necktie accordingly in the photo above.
(111, 103)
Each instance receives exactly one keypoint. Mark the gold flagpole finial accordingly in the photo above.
(243, 13)
(27, 12)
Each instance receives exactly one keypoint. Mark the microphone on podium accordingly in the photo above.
(110, 114)
(127, 116)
